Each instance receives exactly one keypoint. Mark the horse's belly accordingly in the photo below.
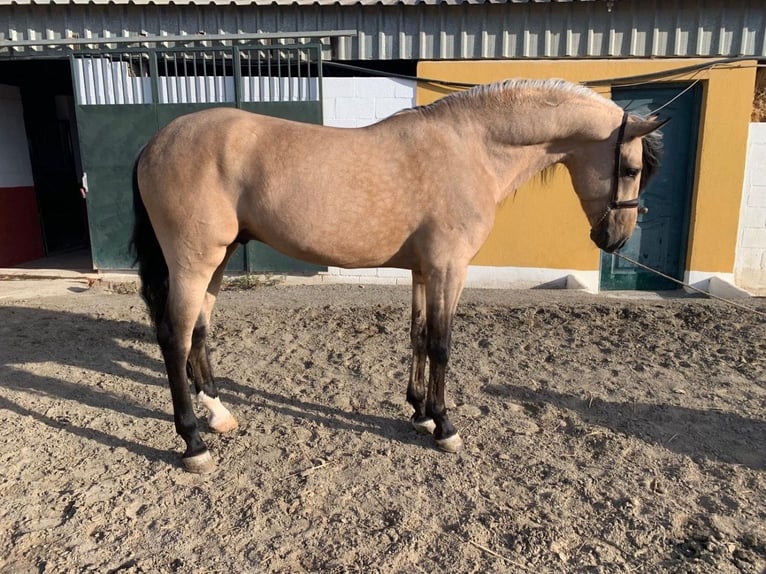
(333, 223)
(349, 252)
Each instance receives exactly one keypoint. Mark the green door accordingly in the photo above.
(660, 238)
(124, 97)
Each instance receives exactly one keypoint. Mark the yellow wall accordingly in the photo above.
(543, 225)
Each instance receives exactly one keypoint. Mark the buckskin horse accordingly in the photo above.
(418, 190)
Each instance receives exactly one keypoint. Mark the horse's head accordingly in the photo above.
(609, 174)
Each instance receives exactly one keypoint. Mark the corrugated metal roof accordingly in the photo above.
(457, 29)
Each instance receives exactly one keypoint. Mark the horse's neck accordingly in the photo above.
(527, 138)
(519, 164)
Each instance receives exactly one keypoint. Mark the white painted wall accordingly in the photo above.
(358, 102)
(15, 167)
(750, 262)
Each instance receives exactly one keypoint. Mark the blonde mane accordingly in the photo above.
(548, 92)
(551, 92)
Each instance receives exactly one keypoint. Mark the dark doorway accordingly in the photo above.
(49, 117)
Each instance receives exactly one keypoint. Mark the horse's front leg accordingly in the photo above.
(416, 389)
(442, 295)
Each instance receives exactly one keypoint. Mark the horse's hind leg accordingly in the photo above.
(416, 389)
(200, 371)
(186, 295)
(219, 418)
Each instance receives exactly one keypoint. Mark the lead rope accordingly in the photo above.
(698, 290)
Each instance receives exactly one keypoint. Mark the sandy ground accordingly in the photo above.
(603, 434)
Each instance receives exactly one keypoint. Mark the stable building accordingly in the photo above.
(84, 84)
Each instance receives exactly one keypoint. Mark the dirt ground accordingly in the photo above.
(603, 434)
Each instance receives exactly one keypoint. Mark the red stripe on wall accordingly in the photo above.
(21, 238)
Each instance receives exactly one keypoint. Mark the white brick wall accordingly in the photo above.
(750, 263)
(358, 102)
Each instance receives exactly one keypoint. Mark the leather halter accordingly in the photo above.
(613, 203)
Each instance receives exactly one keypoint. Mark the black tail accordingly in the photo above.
(152, 267)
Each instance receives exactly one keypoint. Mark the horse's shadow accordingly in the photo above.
(94, 343)
(81, 341)
(24, 333)
(396, 429)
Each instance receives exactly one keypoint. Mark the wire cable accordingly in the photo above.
(692, 287)
(637, 79)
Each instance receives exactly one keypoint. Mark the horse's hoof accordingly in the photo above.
(450, 444)
(221, 425)
(199, 464)
(425, 425)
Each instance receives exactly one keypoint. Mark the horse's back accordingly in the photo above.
(349, 197)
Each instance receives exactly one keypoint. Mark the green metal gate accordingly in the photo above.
(124, 97)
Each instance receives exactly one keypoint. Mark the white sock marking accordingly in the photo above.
(218, 412)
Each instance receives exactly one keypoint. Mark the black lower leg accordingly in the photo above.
(419, 405)
(416, 389)
(438, 356)
(198, 367)
(183, 410)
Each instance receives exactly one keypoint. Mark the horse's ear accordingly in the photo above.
(639, 128)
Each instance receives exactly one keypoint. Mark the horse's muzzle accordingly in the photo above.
(604, 240)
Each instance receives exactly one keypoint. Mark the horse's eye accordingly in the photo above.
(632, 172)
